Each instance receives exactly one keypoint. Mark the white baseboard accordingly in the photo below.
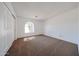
(28, 35)
(62, 39)
(3, 53)
(78, 49)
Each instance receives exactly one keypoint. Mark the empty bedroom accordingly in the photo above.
(39, 28)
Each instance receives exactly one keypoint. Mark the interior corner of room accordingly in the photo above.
(58, 20)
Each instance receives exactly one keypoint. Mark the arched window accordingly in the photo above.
(29, 27)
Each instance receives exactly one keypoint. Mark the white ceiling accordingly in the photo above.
(43, 10)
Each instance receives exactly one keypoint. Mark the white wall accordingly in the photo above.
(78, 27)
(64, 26)
(6, 29)
(38, 27)
(9, 5)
